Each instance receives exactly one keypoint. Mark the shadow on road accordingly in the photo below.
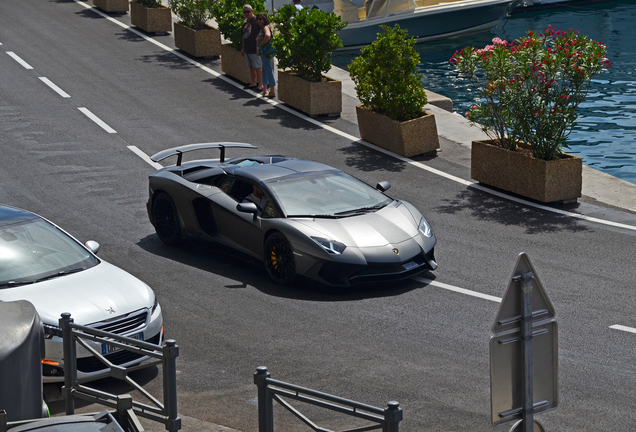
(247, 271)
(483, 206)
(363, 158)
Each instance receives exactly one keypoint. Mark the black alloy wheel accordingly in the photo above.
(279, 259)
(166, 218)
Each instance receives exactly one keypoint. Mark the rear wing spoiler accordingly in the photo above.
(190, 147)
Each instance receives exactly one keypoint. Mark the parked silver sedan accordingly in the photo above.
(41, 263)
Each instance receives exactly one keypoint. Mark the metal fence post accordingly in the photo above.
(392, 417)
(170, 354)
(70, 362)
(527, 415)
(265, 403)
(124, 403)
(3, 421)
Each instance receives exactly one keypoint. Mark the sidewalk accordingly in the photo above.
(598, 187)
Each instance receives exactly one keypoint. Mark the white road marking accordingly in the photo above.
(623, 328)
(55, 88)
(97, 120)
(458, 290)
(145, 157)
(17, 58)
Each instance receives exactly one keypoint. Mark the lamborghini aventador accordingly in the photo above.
(299, 217)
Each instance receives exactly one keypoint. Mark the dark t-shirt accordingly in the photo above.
(251, 29)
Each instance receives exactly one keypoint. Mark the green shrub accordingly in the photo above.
(386, 78)
(192, 13)
(304, 40)
(150, 3)
(229, 17)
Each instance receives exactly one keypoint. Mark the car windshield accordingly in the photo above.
(332, 194)
(35, 250)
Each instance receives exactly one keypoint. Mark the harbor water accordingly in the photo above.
(605, 134)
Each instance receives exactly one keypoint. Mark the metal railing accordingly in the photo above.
(127, 409)
(269, 390)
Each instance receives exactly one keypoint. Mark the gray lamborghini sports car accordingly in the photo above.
(298, 217)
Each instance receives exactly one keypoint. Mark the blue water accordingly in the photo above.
(605, 135)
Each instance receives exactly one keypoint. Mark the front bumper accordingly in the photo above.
(89, 366)
(343, 275)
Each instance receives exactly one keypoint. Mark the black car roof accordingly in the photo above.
(287, 167)
(11, 215)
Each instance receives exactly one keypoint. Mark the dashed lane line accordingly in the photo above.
(17, 58)
(145, 157)
(55, 88)
(623, 328)
(97, 120)
(457, 289)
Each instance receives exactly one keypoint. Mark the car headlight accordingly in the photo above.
(424, 228)
(331, 246)
(154, 306)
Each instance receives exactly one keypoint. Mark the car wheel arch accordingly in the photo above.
(168, 238)
(287, 273)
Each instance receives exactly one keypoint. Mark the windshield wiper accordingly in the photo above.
(361, 210)
(375, 207)
(60, 273)
(325, 216)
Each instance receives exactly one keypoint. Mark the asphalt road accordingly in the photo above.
(414, 342)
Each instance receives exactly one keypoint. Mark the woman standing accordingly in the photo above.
(264, 46)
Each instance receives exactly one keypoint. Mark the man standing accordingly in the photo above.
(298, 4)
(251, 29)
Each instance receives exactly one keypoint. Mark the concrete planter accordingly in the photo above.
(151, 20)
(120, 6)
(233, 64)
(312, 98)
(198, 43)
(408, 138)
(558, 180)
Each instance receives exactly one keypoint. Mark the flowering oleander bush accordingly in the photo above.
(531, 87)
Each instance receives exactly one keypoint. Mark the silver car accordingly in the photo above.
(299, 217)
(41, 263)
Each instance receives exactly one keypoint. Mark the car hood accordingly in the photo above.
(90, 295)
(390, 225)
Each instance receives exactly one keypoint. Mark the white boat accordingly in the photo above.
(423, 19)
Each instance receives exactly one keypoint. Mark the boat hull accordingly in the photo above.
(432, 22)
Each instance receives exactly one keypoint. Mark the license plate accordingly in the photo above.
(109, 349)
(410, 265)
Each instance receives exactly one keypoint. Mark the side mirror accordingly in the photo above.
(383, 186)
(247, 207)
(93, 246)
